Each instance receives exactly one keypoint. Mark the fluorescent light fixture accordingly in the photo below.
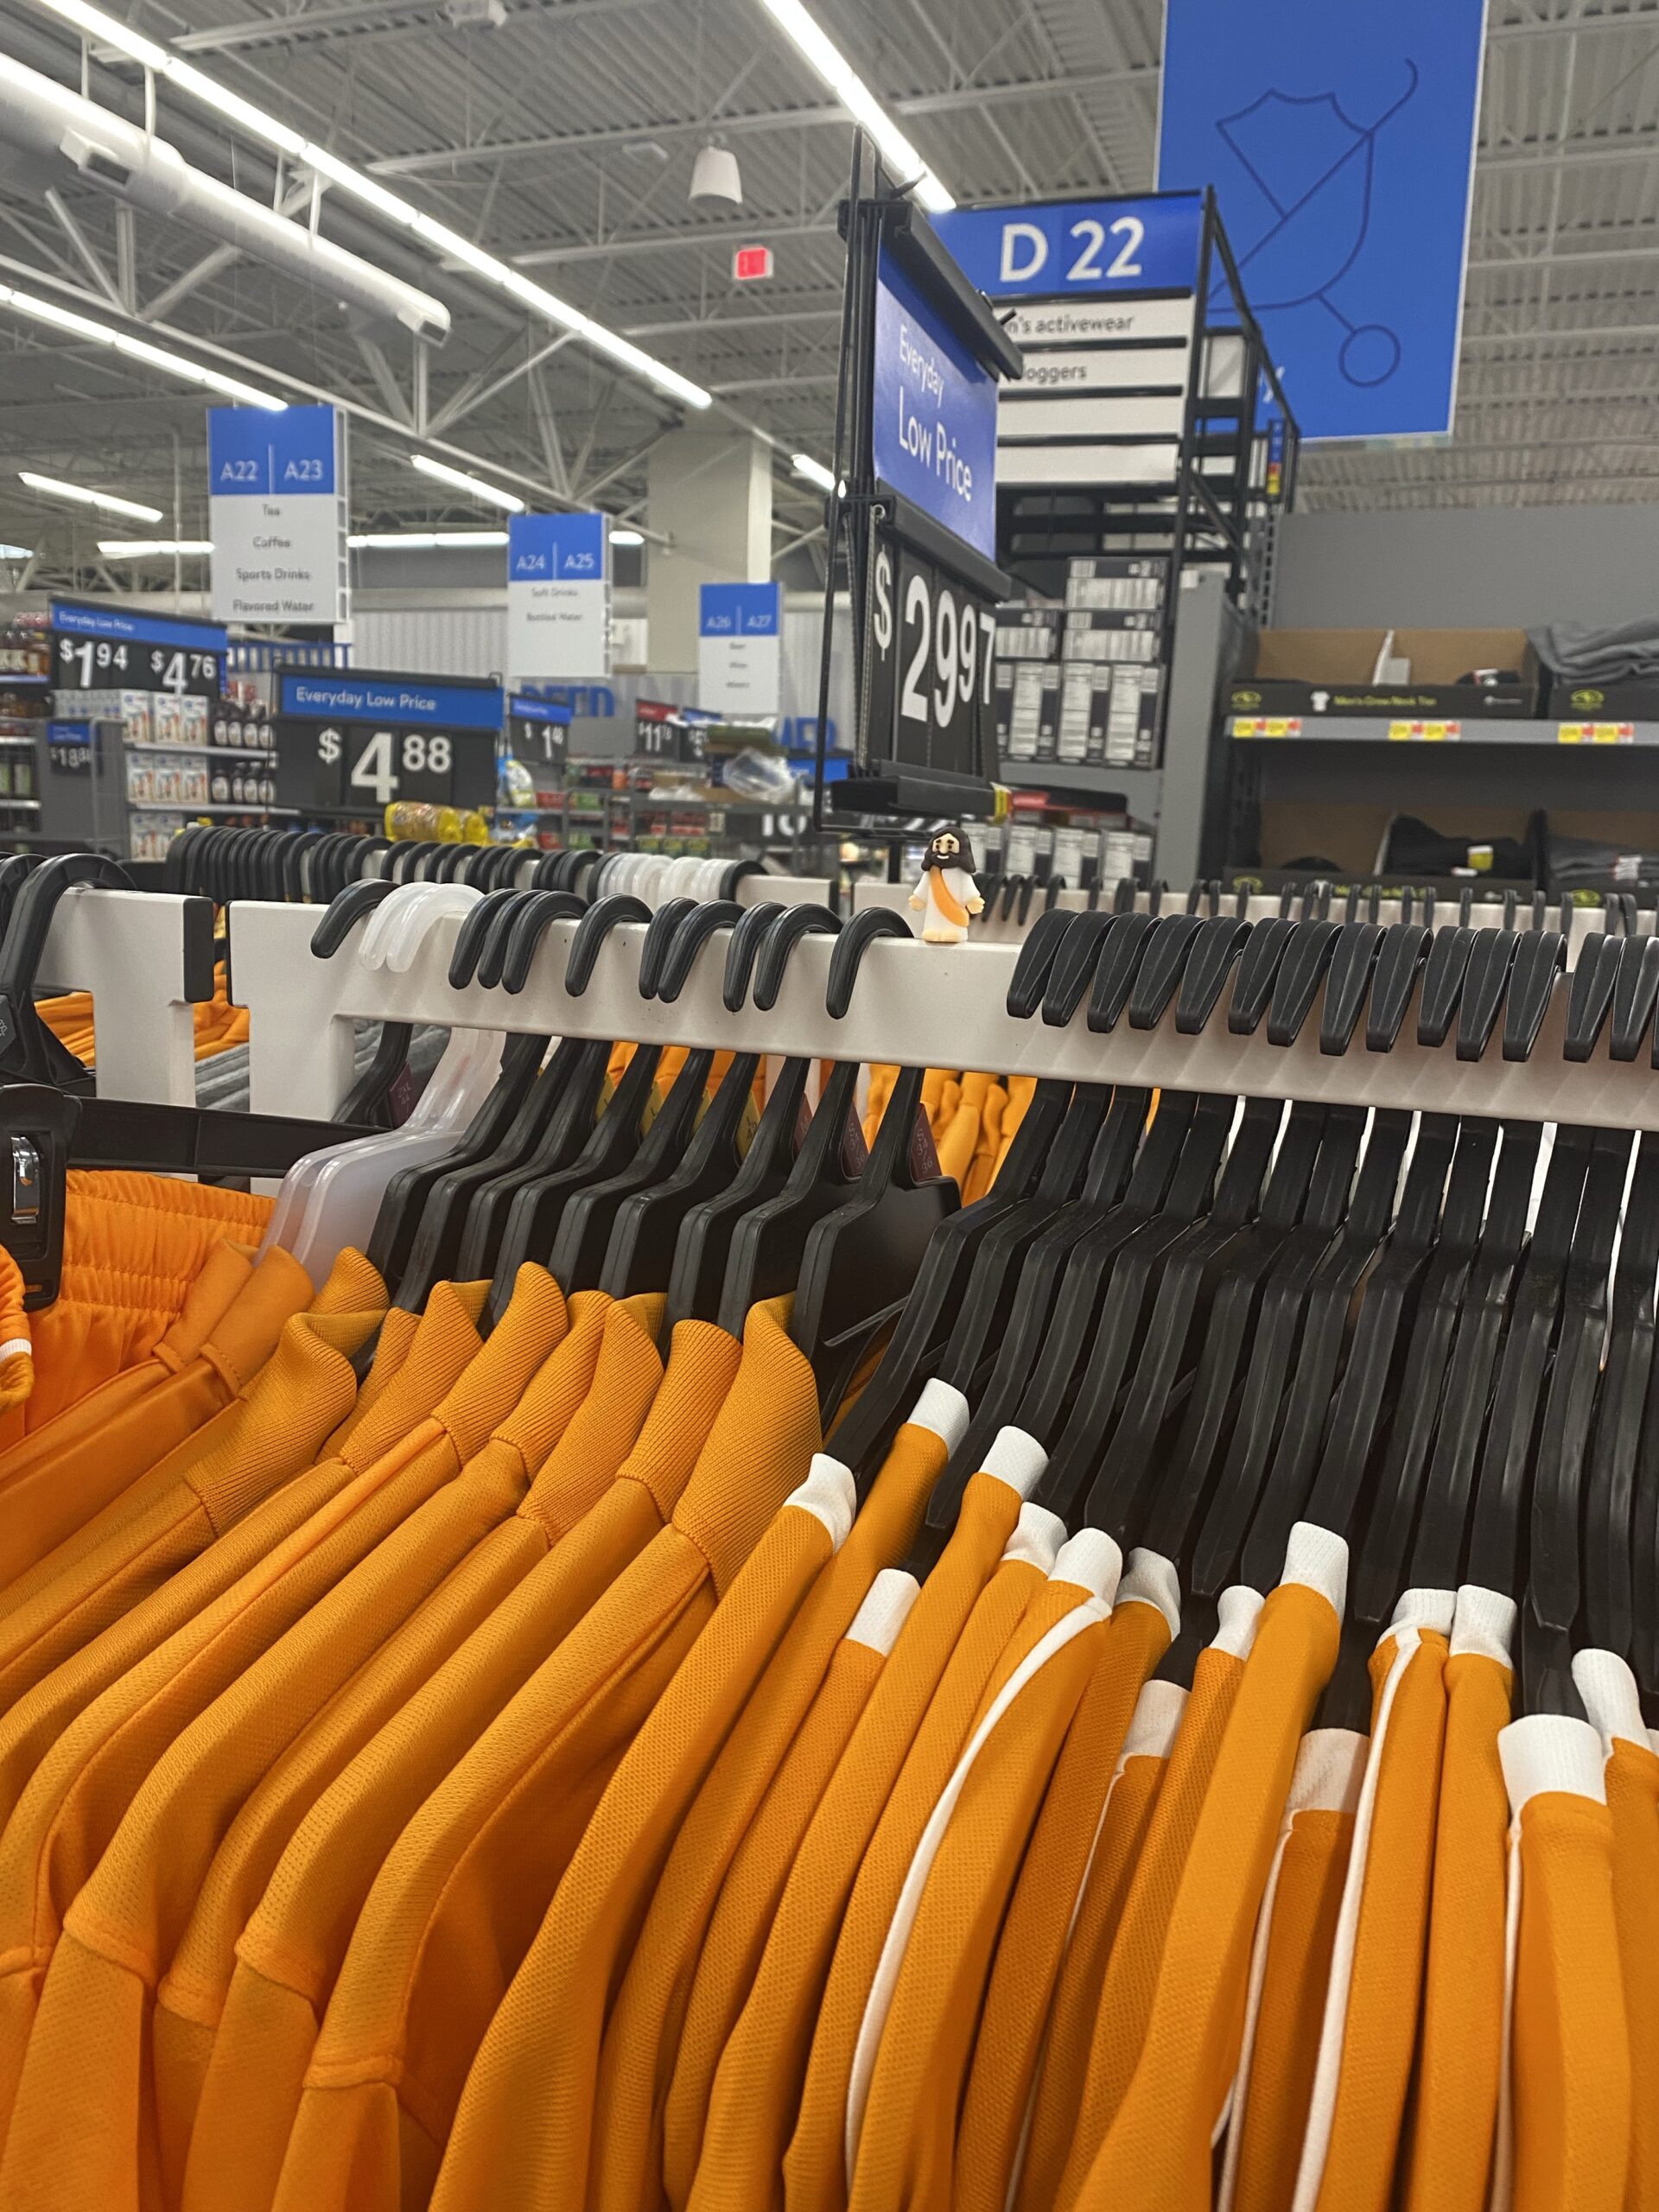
(627, 538)
(849, 88)
(137, 349)
(147, 548)
(491, 495)
(814, 471)
(423, 540)
(55, 488)
(110, 31)
(15, 553)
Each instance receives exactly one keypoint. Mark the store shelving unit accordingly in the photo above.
(1366, 729)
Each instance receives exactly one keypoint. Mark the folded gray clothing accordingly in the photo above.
(1580, 654)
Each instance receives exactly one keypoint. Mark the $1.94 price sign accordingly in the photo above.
(933, 641)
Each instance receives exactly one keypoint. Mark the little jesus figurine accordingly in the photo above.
(947, 890)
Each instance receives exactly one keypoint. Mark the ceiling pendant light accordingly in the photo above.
(715, 175)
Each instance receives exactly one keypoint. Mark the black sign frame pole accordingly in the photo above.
(866, 521)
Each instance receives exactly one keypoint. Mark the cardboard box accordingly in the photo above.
(1113, 633)
(1028, 633)
(1635, 700)
(1329, 673)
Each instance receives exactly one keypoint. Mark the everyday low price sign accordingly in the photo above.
(934, 430)
(740, 649)
(353, 741)
(558, 597)
(278, 508)
(99, 647)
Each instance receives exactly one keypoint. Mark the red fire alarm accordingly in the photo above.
(751, 263)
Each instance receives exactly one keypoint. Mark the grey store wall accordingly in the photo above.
(1467, 569)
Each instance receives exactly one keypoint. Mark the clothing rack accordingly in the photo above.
(913, 1004)
(146, 957)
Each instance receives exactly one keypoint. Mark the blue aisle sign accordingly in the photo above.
(252, 453)
(1072, 247)
(739, 611)
(556, 549)
(934, 437)
(1340, 139)
(740, 649)
(558, 595)
(277, 505)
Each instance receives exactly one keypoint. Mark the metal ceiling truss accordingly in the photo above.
(562, 141)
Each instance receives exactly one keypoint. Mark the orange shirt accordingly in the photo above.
(1289, 1969)
(68, 1813)
(83, 2122)
(1630, 1779)
(1564, 2112)
(1046, 1900)
(290, 1953)
(644, 2030)
(1132, 1793)
(749, 1897)
(1369, 2036)
(128, 1552)
(536, 2152)
(916, 2036)
(1158, 2151)
(56, 1479)
(420, 1983)
(1455, 2120)
(757, 2086)
(1132, 1975)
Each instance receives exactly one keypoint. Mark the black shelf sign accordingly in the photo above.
(101, 648)
(932, 640)
(358, 740)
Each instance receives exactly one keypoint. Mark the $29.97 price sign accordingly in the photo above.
(931, 647)
(361, 767)
(129, 664)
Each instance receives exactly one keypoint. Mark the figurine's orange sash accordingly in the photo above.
(947, 901)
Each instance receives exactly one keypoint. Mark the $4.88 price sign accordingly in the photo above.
(933, 641)
(124, 665)
(361, 767)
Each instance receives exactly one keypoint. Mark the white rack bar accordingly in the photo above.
(934, 1005)
(127, 948)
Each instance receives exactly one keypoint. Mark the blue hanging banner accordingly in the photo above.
(1340, 140)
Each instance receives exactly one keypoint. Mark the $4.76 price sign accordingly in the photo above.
(932, 641)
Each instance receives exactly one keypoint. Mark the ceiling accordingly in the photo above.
(564, 140)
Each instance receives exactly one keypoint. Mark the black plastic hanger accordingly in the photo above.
(1378, 1562)
(1555, 1583)
(1540, 962)
(1157, 1285)
(1119, 962)
(1377, 1348)
(1164, 963)
(1104, 1296)
(1486, 982)
(1590, 998)
(1263, 955)
(1272, 1356)
(1302, 969)
(1348, 983)
(1497, 1553)
(1182, 1476)
(1444, 972)
(537, 1205)
(647, 1230)
(590, 1214)
(949, 1266)
(703, 1248)
(1118, 1183)
(1610, 1482)
(1401, 960)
